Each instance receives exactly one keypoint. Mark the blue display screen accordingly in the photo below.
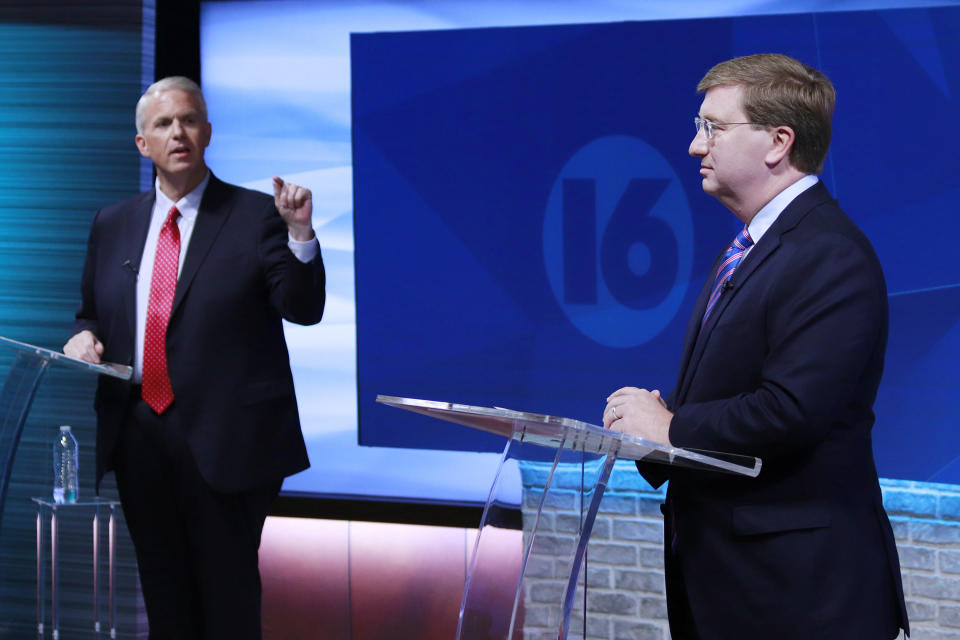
(531, 231)
(509, 216)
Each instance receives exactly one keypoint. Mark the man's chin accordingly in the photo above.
(183, 168)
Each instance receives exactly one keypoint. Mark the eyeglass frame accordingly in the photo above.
(708, 125)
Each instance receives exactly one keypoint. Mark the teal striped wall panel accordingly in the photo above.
(70, 74)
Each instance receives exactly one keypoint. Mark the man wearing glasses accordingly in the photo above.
(781, 360)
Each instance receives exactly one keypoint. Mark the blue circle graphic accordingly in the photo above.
(639, 258)
(618, 241)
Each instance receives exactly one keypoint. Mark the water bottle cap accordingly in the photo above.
(64, 428)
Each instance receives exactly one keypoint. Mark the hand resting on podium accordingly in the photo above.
(638, 412)
(84, 346)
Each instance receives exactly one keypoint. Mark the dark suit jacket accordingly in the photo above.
(786, 369)
(226, 352)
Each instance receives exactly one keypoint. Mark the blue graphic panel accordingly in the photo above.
(531, 233)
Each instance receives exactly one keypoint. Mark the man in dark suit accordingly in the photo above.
(781, 360)
(189, 283)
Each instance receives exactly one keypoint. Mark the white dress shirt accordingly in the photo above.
(772, 210)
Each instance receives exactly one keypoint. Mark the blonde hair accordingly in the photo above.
(781, 91)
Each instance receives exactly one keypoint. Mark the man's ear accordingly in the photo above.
(782, 139)
(142, 146)
(208, 131)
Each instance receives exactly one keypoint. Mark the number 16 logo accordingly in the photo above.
(618, 241)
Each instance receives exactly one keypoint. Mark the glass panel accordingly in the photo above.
(550, 431)
(121, 371)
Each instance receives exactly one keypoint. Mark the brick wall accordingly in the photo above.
(625, 595)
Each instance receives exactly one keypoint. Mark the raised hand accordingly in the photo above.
(295, 204)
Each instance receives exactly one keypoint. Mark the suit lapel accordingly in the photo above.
(767, 245)
(696, 341)
(213, 212)
(693, 327)
(135, 229)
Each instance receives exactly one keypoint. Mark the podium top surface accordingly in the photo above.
(121, 371)
(557, 432)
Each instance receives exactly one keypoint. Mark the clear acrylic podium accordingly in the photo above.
(18, 392)
(16, 397)
(481, 611)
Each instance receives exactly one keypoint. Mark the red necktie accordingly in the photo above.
(157, 391)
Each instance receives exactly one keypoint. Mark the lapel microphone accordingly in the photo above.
(726, 286)
(129, 266)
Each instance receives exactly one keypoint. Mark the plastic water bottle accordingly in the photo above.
(66, 460)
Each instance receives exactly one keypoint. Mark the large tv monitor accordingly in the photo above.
(509, 217)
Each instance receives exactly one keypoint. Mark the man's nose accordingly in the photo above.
(698, 146)
(177, 127)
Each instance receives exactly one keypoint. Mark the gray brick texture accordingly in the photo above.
(625, 594)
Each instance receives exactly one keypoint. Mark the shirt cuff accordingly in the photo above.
(304, 251)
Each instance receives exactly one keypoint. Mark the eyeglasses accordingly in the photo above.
(709, 127)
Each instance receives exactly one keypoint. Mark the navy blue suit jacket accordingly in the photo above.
(786, 368)
(226, 352)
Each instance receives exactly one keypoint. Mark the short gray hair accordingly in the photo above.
(166, 84)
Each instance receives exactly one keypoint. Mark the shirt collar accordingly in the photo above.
(772, 210)
(188, 205)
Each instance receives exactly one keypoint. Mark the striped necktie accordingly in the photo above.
(731, 258)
